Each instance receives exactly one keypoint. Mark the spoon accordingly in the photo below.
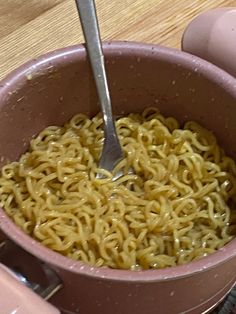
(111, 152)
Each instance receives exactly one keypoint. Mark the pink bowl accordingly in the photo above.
(51, 89)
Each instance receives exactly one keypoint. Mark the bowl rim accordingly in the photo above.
(117, 48)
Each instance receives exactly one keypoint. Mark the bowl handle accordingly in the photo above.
(17, 292)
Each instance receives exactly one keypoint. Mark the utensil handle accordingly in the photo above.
(89, 23)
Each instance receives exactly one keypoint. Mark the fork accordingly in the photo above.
(111, 151)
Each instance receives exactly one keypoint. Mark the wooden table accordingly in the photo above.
(32, 27)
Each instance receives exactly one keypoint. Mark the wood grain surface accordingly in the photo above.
(29, 28)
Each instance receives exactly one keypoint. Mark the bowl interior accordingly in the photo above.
(51, 89)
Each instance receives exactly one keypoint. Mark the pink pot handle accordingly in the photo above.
(17, 298)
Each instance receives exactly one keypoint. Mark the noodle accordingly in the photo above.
(177, 206)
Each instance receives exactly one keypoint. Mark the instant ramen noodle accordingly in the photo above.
(177, 205)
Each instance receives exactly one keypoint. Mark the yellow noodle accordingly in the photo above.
(176, 207)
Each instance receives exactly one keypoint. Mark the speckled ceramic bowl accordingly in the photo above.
(52, 88)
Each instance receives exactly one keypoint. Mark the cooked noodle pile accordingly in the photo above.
(177, 206)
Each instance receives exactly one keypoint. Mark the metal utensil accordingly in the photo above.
(111, 152)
